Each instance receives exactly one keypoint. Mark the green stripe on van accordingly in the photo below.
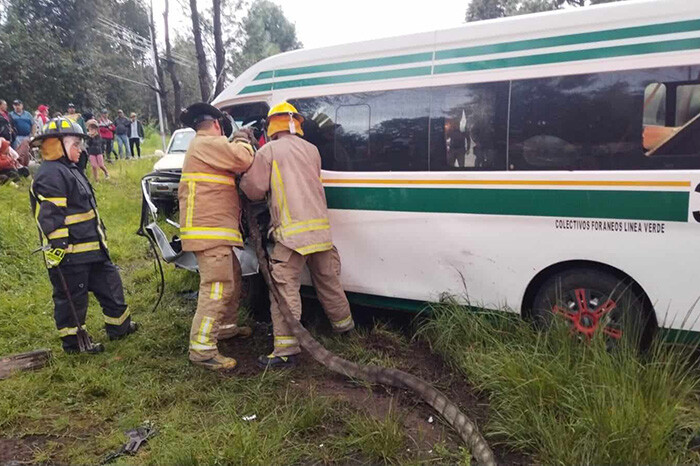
(575, 55)
(581, 38)
(256, 88)
(350, 78)
(669, 206)
(264, 75)
(355, 64)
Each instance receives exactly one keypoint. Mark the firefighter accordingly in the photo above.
(73, 236)
(209, 216)
(289, 169)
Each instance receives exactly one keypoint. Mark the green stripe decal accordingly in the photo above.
(350, 65)
(573, 39)
(575, 55)
(351, 78)
(256, 88)
(669, 206)
(264, 75)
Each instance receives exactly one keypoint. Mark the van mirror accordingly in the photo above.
(160, 153)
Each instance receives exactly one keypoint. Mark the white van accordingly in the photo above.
(533, 163)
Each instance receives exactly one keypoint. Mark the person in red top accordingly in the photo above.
(107, 134)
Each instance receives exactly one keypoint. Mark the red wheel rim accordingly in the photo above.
(587, 311)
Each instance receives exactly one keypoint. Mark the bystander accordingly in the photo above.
(135, 135)
(121, 124)
(23, 122)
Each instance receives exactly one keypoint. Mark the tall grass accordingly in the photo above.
(568, 401)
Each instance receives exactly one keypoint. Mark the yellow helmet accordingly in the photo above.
(284, 117)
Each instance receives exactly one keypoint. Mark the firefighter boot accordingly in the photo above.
(217, 363)
(270, 361)
(132, 328)
(233, 332)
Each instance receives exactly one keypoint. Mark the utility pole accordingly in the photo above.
(157, 83)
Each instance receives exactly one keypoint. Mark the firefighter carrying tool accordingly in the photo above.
(73, 240)
(209, 226)
(289, 169)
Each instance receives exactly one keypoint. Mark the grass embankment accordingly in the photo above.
(568, 402)
(75, 410)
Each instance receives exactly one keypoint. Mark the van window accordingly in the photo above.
(251, 115)
(373, 131)
(469, 127)
(671, 123)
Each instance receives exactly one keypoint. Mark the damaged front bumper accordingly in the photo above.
(171, 250)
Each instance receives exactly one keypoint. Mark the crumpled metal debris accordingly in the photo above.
(136, 438)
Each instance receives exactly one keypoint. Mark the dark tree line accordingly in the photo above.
(60, 51)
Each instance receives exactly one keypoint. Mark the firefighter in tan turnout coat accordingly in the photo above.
(289, 169)
(209, 216)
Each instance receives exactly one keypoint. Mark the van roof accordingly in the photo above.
(528, 40)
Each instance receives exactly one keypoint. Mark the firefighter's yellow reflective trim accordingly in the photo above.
(278, 185)
(311, 248)
(83, 247)
(301, 227)
(202, 341)
(117, 320)
(190, 203)
(82, 217)
(342, 324)
(59, 233)
(67, 331)
(200, 347)
(65, 124)
(217, 291)
(286, 341)
(209, 178)
(58, 201)
(230, 234)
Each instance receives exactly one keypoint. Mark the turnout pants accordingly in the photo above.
(324, 266)
(102, 278)
(217, 306)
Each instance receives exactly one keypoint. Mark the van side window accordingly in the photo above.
(351, 148)
(468, 127)
(671, 123)
(373, 131)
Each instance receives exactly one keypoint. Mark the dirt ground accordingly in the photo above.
(419, 421)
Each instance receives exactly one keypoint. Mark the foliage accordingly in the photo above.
(55, 52)
(489, 9)
(266, 32)
(569, 402)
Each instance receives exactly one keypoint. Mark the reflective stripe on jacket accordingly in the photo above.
(209, 202)
(66, 213)
(289, 168)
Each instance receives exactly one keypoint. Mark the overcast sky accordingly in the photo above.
(330, 22)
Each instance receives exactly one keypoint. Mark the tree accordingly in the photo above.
(219, 52)
(488, 9)
(159, 74)
(170, 64)
(266, 32)
(203, 74)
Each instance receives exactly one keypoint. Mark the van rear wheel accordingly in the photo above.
(592, 300)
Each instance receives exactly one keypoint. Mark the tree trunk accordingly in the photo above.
(159, 76)
(219, 52)
(177, 88)
(204, 86)
(23, 362)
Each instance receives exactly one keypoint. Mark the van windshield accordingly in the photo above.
(180, 142)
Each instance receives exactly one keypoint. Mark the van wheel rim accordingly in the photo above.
(587, 311)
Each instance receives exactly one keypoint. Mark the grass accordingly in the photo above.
(81, 405)
(570, 402)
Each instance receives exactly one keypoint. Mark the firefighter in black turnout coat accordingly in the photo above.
(72, 236)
